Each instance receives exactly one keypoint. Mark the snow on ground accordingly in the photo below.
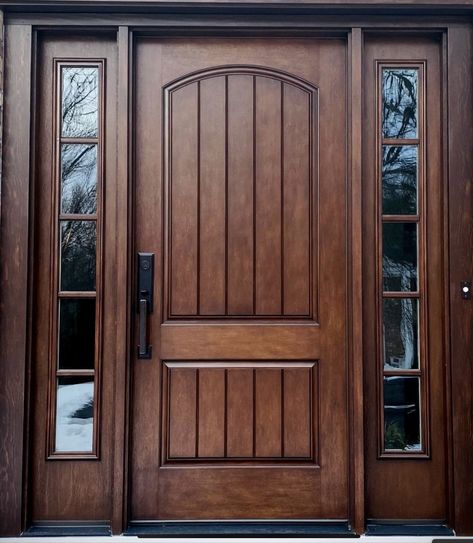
(73, 432)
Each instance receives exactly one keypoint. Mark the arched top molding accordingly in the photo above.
(260, 71)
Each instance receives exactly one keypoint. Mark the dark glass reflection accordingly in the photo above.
(399, 256)
(78, 178)
(399, 180)
(78, 248)
(399, 103)
(74, 414)
(402, 414)
(401, 328)
(76, 334)
(79, 101)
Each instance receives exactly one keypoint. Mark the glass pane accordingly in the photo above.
(399, 180)
(400, 256)
(401, 332)
(399, 103)
(78, 178)
(74, 414)
(76, 334)
(78, 244)
(402, 414)
(80, 101)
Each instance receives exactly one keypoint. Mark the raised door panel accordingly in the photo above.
(240, 148)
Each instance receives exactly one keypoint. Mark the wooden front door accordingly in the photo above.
(240, 193)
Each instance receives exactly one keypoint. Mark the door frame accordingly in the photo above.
(23, 29)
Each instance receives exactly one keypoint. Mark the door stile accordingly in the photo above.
(460, 212)
(448, 361)
(14, 266)
(124, 242)
(355, 283)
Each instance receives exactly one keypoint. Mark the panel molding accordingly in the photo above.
(263, 430)
(237, 218)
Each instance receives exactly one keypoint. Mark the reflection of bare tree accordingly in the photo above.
(400, 333)
(79, 101)
(400, 256)
(399, 103)
(78, 255)
(402, 429)
(78, 178)
(399, 180)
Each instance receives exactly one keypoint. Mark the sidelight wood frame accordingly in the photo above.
(421, 293)
(55, 265)
(16, 238)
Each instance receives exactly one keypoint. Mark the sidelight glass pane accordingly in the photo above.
(78, 178)
(399, 256)
(399, 180)
(401, 333)
(402, 429)
(80, 101)
(76, 334)
(399, 106)
(74, 414)
(78, 248)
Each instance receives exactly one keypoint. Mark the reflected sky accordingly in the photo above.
(399, 103)
(79, 101)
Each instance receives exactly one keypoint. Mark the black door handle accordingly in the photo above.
(145, 301)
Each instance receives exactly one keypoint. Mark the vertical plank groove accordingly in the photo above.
(267, 204)
(240, 195)
(212, 198)
(297, 206)
(184, 207)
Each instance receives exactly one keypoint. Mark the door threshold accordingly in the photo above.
(251, 528)
(408, 529)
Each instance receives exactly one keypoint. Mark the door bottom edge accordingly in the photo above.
(241, 528)
(408, 528)
(68, 529)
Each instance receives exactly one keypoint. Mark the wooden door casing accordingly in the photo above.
(249, 325)
(418, 487)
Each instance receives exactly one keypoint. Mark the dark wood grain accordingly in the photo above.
(212, 197)
(240, 409)
(271, 428)
(460, 104)
(184, 200)
(14, 264)
(240, 190)
(268, 194)
(427, 496)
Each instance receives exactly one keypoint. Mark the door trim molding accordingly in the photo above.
(242, 528)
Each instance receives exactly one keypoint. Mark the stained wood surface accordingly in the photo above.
(249, 365)
(242, 197)
(418, 487)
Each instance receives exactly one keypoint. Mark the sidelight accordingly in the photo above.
(403, 409)
(77, 217)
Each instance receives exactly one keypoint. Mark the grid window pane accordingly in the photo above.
(399, 180)
(402, 430)
(80, 101)
(399, 107)
(74, 414)
(399, 256)
(76, 334)
(400, 333)
(78, 248)
(78, 178)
